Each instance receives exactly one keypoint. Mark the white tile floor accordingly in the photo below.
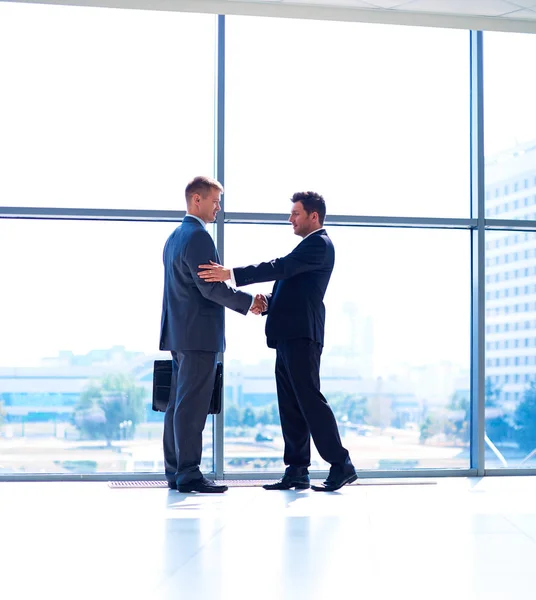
(439, 539)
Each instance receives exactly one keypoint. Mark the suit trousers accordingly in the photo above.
(303, 410)
(191, 391)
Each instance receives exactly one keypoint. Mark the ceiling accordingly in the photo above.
(499, 15)
(504, 13)
(511, 9)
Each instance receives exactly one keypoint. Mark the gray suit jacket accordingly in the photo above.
(192, 309)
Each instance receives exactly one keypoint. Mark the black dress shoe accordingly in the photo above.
(336, 479)
(172, 485)
(202, 485)
(299, 482)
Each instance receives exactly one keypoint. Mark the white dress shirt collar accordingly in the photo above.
(198, 219)
(315, 231)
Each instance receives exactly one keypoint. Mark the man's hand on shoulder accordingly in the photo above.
(214, 272)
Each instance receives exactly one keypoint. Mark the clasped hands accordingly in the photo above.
(259, 305)
(215, 272)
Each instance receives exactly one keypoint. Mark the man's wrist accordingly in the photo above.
(231, 277)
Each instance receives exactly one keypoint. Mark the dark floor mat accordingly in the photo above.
(260, 482)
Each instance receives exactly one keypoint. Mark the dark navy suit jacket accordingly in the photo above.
(193, 309)
(296, 306)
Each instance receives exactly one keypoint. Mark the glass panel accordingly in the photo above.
(510, 349)
(510, 127)
(396, 361)
(104, 108)
(374, 117)
(80, 320)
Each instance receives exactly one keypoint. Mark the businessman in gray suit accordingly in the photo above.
(192, 328)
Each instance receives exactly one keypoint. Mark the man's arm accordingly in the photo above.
(305, 257)
(200, 248)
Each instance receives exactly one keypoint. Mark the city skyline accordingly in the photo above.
(106, 288)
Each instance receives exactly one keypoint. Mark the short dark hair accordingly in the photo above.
(312, 202)
(201, 185)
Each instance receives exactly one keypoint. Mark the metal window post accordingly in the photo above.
(219, 167)
(478, 299)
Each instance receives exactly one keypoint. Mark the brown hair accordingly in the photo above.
(201, 185)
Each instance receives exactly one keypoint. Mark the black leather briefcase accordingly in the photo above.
(162, 387)
(217, 392)
(161, 384)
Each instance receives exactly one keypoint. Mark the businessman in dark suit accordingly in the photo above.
(295, 328)
(192, 328)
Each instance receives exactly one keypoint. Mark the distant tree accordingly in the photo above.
(426, 430)
(107, 404)
(263, 417)
(232, 416)
(492, 393)
(248, 417)
(351, 406)
(460, 426)
(525, 420)
(275, 419)
(498, 428)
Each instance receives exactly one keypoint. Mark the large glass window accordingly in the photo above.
(395, 365)
(510, 392)
(374, 117)
(510, 144)
(104, 108)
(79, 319)
(510, 127)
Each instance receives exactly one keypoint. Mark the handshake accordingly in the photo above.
(260, 304)
(214, 272)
